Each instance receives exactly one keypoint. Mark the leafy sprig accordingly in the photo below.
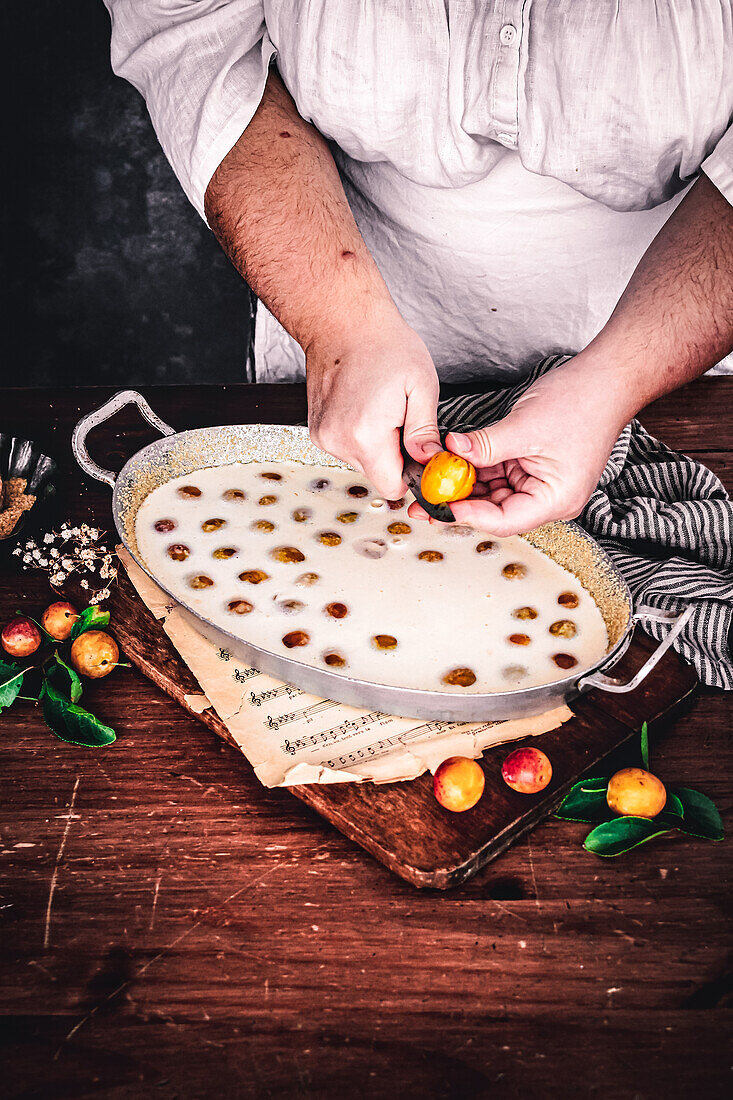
(686, 810)
(61, 687)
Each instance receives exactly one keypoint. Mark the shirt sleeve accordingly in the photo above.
(718, 167)
(624, 102)
(202, 68)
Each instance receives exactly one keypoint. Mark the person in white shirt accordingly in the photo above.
(456, 190)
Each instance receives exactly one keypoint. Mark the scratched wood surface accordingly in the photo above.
(172, 929)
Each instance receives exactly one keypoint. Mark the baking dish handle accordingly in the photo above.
(610, 683)
(97, 417)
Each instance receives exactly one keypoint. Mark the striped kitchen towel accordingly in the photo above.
(665, 520)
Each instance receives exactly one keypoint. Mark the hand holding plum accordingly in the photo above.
(361, 392)
(447, 478)
(545, 458)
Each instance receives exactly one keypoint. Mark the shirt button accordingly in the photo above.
(507, 35)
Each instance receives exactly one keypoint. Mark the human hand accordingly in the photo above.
(361, 391)
(543, 460)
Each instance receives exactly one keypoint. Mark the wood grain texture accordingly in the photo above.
(207, 936)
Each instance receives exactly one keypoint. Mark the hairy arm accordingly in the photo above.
(673, 322)
(675, 319)
(277, 207)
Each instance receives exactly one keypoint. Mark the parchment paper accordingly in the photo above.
(290, 737)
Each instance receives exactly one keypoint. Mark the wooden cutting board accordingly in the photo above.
(401, 823)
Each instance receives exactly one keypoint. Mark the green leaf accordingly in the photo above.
(701, 817)
(645, 746)
(673, 805)
(91, 618)
(673, 813)
(586, 801)
(70, 722)
(73, 688)
(613, 838)
(11, 681)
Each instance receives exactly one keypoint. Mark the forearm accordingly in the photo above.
(675, 319)
(278, 209)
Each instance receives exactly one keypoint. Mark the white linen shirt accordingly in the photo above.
(507, 162)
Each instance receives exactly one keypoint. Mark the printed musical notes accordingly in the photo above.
(337, 733)
(242, 675)
(275, 722)
(379, 747)
(257, 699)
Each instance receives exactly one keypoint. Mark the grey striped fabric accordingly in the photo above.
(665, 520)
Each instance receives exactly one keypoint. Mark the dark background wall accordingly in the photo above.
(109, 275)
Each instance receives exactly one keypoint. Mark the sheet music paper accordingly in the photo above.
(291, 737)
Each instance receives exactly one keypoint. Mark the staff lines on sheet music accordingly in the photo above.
(257, 698)
(242, 675)
(378, 747)
(350, 725)
(299, 715)
(385, 745)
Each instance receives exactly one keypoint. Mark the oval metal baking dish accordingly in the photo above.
(179, 453)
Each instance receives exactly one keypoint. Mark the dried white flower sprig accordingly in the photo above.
(72, 550)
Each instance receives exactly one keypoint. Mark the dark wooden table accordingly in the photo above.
(171, 929)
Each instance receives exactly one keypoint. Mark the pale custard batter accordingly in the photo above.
(307, 561)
